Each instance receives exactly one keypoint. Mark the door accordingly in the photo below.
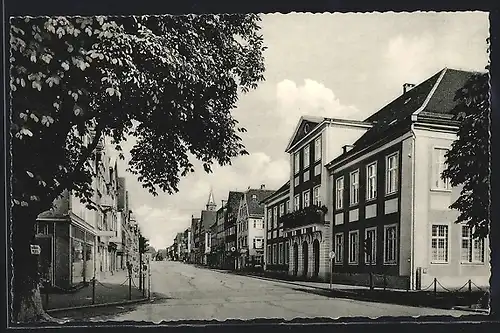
(45, 262)
(305, 255)
(316, 258)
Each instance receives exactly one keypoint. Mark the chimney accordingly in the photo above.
(263, 186)
(407, 87)
(346, 148)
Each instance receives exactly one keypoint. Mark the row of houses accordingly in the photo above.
(79, 244)
(362, 198)
(230, 237)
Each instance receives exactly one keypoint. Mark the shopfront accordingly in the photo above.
(82, 255)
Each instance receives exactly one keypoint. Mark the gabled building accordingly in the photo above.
(220, 248)
(231, 216)
(276, 244)
(250, 228)
(194, 253)
(208, 218)
(315, 141)
(391, 208)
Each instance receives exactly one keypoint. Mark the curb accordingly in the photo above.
(135, 301)
(464, 308)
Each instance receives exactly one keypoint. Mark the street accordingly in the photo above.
(186, 292)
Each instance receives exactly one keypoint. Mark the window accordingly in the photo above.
(281, 253)
(275, 254)
(257, 243)
(317, 149)
(371, 181)
(296, 162)
(316, 200)
(353, 246)
(390, 248)
(287, 206)
(306, 196)
(254, 196)
(269, 219)
(317, 170)
(339, 248)
(282, 209)
(275, 216)
(371, 255)
(296, 203)
(439, 243)
(306, 176)
(339, 197)
(269, 255)
(254, 224)
(391, 179)
(439, 167)
(472, 249)
(306, 156)
(354, 190)
(296, 181)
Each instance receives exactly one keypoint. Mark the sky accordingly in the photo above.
(332, 65)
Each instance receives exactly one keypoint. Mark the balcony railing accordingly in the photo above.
(308, 215)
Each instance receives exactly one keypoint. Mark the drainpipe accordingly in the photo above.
(412, 238)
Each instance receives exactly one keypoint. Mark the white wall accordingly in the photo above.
(432, 206)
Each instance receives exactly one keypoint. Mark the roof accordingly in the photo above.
(309, 124)
(433, 97)
(233, 201)
(208, 217)
(282, 190)
(254, 199)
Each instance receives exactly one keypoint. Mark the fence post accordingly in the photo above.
(130, 285)
(435, 286)
(47, 298)
(470, 286)
(93, 291)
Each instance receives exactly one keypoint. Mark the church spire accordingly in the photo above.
(211, 205)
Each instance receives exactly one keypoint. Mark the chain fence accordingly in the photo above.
(95, 292)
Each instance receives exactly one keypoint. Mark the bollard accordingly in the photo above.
(470, 286)
(435, 286)
(93, 291)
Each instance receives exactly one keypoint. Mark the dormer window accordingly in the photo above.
(254, 196)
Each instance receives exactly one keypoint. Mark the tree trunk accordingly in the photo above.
(26, 301)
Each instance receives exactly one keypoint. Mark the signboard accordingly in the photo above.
(331, 255)
(35, 249)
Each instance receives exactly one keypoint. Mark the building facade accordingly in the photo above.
(250, 228)
(231, 216)
(276, 245)
(315, 141)
(391, 209)
(77, 243)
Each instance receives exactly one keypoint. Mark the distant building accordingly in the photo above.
(250, 228)
(276, 244)
(231, 216)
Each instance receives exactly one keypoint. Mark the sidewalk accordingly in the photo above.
(113, 289)
(476, 301)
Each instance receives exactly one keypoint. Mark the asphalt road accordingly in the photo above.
(185, 292)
